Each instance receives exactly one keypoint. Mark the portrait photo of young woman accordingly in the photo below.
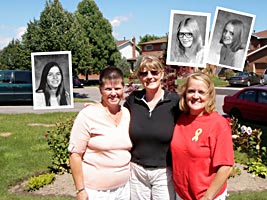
(188, 38)
(52, 83)
(230, 38)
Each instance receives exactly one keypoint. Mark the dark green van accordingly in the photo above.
(15, 85)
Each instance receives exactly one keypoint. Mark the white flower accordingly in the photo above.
(249, 131)
(243, 129)
(234, 136)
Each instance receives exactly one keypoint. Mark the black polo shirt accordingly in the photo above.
(151, 131)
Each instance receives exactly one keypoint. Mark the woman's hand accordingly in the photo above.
(82, 195)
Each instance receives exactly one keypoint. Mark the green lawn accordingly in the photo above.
(24, 152)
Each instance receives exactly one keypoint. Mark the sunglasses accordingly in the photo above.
(153, 73)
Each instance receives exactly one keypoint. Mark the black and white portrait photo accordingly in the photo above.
(230, 36)
(188, 38)
(52, 80)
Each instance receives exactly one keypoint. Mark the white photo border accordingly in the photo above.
(211, 54)
(172, 35)
(52, 56)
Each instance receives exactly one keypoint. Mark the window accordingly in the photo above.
(5, 77)
(249, 95)
(262, 97)
(148, 47)
(163, 46)
(23, 77)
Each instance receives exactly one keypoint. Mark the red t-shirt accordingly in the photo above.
(195, 158)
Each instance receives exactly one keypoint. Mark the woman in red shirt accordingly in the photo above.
(202, 149)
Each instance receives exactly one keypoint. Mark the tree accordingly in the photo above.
(13, 57)
(147, 38)
(99, 33)
(50, 33)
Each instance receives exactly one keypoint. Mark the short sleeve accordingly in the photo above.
(80, 135)
(222, 147)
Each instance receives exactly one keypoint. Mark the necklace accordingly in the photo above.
(114, 115)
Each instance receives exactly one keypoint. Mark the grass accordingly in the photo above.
(25, 153)
(216, 80)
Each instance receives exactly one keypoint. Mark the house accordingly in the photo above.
(155, 47)
(129, 50)
(257, 54)
(158, 48)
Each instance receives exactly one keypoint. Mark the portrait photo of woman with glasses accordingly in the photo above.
(187, 39)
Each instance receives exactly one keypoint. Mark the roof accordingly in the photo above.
(260, 35)
(122, 42)
(260, 49)
(161, 40)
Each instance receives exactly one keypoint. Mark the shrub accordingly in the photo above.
(247, 144)
(37, 182)
(58, 141)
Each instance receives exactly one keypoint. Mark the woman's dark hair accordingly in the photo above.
(110, 73)
(45, 88)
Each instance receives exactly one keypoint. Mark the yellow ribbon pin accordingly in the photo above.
(197, 133)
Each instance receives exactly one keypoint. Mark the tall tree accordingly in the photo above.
(99, 33)
(51, 32)
(13, 56)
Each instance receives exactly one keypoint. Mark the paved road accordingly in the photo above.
(87, 93)
(92, 93)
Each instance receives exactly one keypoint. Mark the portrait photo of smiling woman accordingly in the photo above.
(51, 77)
(230, 38)
(188, 39)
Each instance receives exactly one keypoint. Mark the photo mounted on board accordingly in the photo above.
(230, 37)
(188, 38)
(52, 80)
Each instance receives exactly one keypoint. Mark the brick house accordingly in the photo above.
(257, 54)
(158, 48)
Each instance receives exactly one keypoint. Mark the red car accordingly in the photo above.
(248, 104)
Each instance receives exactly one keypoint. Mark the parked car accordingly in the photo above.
(246, 79)
(76, 82)
(15, 85)
(265, 76)
(249, 103)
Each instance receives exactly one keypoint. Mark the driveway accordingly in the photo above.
(92, 94)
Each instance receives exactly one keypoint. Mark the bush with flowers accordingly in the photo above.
(249, 149)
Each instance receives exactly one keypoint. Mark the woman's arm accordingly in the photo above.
(219, 180)
(77, 174)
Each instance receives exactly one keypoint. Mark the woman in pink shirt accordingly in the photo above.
(99, 144)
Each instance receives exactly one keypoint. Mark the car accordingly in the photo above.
(249, 104)
(246, 79)
(76, 82)
(15, 85)
(265, 76)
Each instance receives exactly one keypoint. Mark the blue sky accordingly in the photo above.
(128, 17)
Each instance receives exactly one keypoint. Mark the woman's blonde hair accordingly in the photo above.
(150, 63)
(210, 107)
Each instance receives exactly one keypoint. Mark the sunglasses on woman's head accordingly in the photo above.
(153, 73)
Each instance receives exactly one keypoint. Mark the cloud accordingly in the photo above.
(10, 34)
(118, 20)
(20, 31)
(4, 41)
